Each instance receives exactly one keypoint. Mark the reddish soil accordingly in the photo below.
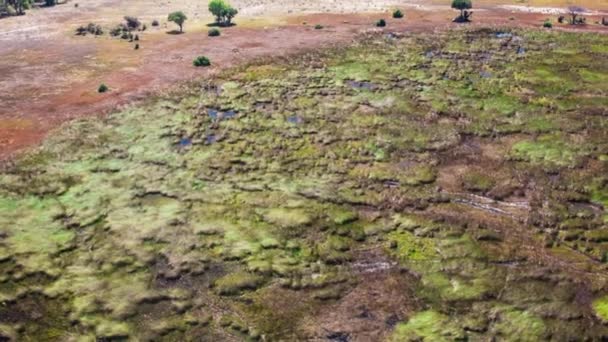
(63, 92)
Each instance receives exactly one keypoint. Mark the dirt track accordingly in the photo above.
(52, 76)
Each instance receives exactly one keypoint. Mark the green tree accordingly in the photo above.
(463, 6)
(229, 13)
(216, 7)
(223, 12)
(179, 18)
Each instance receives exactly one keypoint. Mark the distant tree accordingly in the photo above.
(132, 23)
(463, 6)
(575, 12)
(223, 12)
(50, 2)
(179, 18)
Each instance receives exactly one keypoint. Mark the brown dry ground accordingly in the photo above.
(49, 76)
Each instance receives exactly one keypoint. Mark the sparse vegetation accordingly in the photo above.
(178, 18)
(318, 27)
(102, 88)
(397, 14)
(381, 23)
(201, 61)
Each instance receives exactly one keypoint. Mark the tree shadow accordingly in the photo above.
(216, 24)
(175, 32)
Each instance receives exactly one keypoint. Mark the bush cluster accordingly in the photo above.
(90, 28)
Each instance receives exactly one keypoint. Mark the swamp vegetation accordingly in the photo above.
(446, 186)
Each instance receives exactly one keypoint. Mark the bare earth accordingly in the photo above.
(48, 75)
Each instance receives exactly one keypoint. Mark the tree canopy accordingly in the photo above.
(223, 12)
(179, 18)
(462, 4)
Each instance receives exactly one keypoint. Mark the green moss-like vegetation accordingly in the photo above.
(548, 149)
(234, 283)
(428, 326)
(361, 182)
(601, 308)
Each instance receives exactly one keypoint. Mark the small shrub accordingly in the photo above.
(76, 5)
(318, 27)
(381, 23)
(102, 88)
(155, 22)
(11, 11)
(397, 14)
(201, 61)
(94, 29)
(136, 46)
(136, 37)
(115, 32)
(547, 24)
(214, 32)
(81, 31)
(90, 28)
